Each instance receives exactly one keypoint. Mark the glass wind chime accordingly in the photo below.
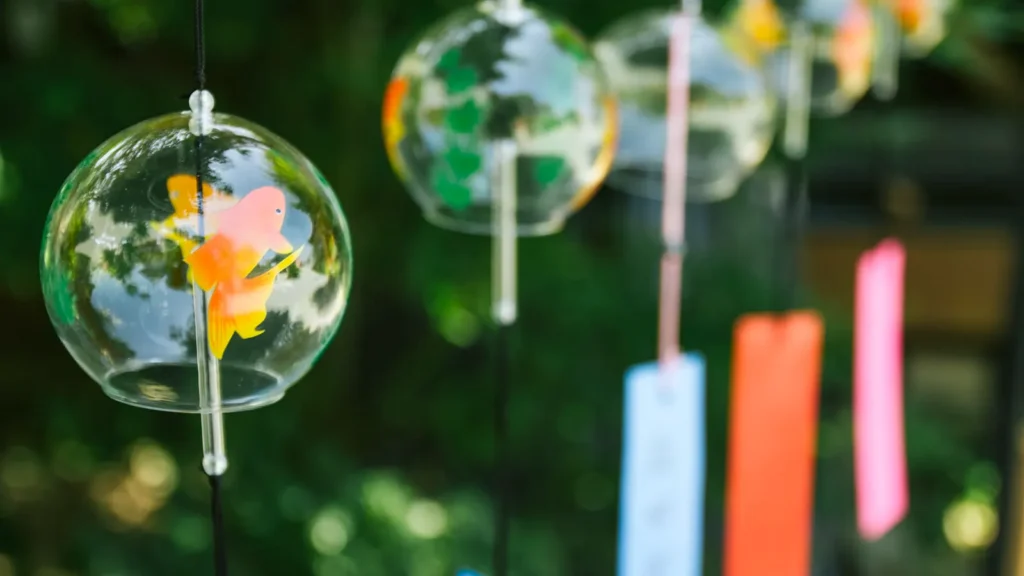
(663, 456)
(731, 110)
(815, 57)
(499, 123)
(911, 28)
(196, 263)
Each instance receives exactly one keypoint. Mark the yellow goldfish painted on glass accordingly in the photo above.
(182, 227)
(852, 49)
(761, 21)
(245, 233)
(394, 129)
(755, 28)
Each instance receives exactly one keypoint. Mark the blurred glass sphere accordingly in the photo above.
(842, 53)
(923, 23)
(731, 114)
(485, 74)
(274, 258)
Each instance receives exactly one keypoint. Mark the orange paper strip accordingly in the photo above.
(773, 429)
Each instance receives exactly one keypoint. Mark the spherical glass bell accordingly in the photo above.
(842, 39)
(923, 23)
(731, 113)
(490, 73)
(127, 239)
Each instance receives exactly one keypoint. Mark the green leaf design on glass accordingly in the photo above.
(464, 163)
(449, 60)
(548, 169)
(455, 194)
(567, 39)
(465, 118)
(461, 79)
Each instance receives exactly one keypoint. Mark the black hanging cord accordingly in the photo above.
(1004, 555)
(220, 557)
(502, 517)
(200, 47)
(791, 232)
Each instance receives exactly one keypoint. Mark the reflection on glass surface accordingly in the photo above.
(730, 116)
(843, 33)
(485, 74)
(123, 244)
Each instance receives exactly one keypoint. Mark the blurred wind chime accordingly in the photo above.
(197, 263)
(911, 28)
(823, 65)
(499, 123)
(663, 454)
(815, 56)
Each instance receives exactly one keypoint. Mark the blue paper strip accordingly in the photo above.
(661, 519)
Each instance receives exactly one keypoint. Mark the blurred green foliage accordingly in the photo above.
(379, 462)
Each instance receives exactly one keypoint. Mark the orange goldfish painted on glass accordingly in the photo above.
(394, 129)
(238, 233)
(852, 49)
(911, 14)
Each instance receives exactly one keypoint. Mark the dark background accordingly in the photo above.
(378, 462)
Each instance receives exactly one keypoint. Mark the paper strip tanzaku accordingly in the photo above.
(772, 433)
(880, 460)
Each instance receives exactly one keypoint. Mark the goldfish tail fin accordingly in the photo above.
(220, 327)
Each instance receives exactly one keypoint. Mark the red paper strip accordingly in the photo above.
(773, 430)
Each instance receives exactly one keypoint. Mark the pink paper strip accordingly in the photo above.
(673, 215)
(879, 449)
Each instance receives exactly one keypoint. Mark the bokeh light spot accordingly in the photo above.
(970, 526)
(190, 533)
(426, 519)
(154, 467)
(386, 497)
(329, 532)
(20, 474)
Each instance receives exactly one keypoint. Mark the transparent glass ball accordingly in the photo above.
(924, 24)
(271, 253)
(487, 74)
(731, 113)
(842, 54)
